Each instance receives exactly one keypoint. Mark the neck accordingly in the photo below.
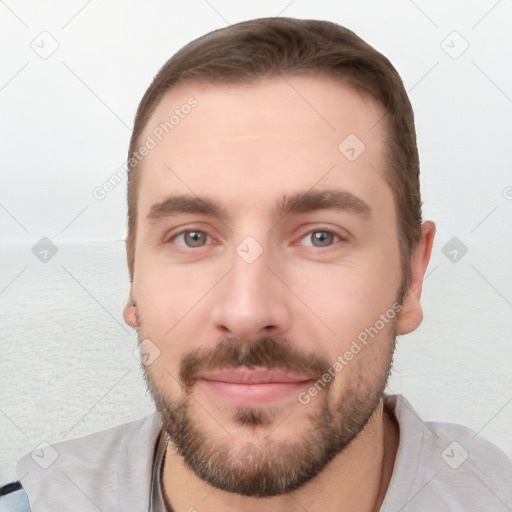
(356, 479)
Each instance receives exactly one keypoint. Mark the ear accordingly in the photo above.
(130, 314)
(412, 312)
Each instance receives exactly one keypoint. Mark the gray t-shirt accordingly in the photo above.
(438, 467)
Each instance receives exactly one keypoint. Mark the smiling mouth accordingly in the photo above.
(243, 387)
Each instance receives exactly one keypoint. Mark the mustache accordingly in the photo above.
(266, 352)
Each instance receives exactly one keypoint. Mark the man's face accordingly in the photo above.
(269, 288)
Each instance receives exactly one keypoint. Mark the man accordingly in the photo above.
(276, 248)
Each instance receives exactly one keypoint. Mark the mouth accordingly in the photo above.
(244, 388)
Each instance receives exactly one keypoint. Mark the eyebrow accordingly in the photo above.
(302, 202)
(311, 201)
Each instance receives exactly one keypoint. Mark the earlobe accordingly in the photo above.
(130, 314)
(412, 312)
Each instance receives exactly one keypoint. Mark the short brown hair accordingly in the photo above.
(265, 47)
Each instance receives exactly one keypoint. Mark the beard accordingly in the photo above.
(271, 467)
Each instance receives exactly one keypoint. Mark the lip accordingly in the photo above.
(244, 376)
(251, 387)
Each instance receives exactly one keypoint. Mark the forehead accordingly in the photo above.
(242, 141)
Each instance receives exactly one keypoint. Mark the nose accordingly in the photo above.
(251, 301)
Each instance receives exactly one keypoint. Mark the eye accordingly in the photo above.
(191, 239)
(320, 238)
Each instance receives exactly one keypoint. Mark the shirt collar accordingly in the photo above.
(158, 502)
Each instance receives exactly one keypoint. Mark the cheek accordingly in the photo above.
(166, 304)
(167, 292)
(165, 301)
(349, 297)
(355, 308)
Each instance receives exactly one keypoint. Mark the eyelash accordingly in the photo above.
(316, 230)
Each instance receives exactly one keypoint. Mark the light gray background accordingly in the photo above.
(67, 366)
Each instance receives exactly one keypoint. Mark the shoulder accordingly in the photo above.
(91, 470)
(469, 467)
(465, 445)
(13, 498)
(447, 466)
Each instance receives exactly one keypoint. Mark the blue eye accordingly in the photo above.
(195, 239)
(192, 238)
(320, 238)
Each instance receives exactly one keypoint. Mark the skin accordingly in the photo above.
(245, 147)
